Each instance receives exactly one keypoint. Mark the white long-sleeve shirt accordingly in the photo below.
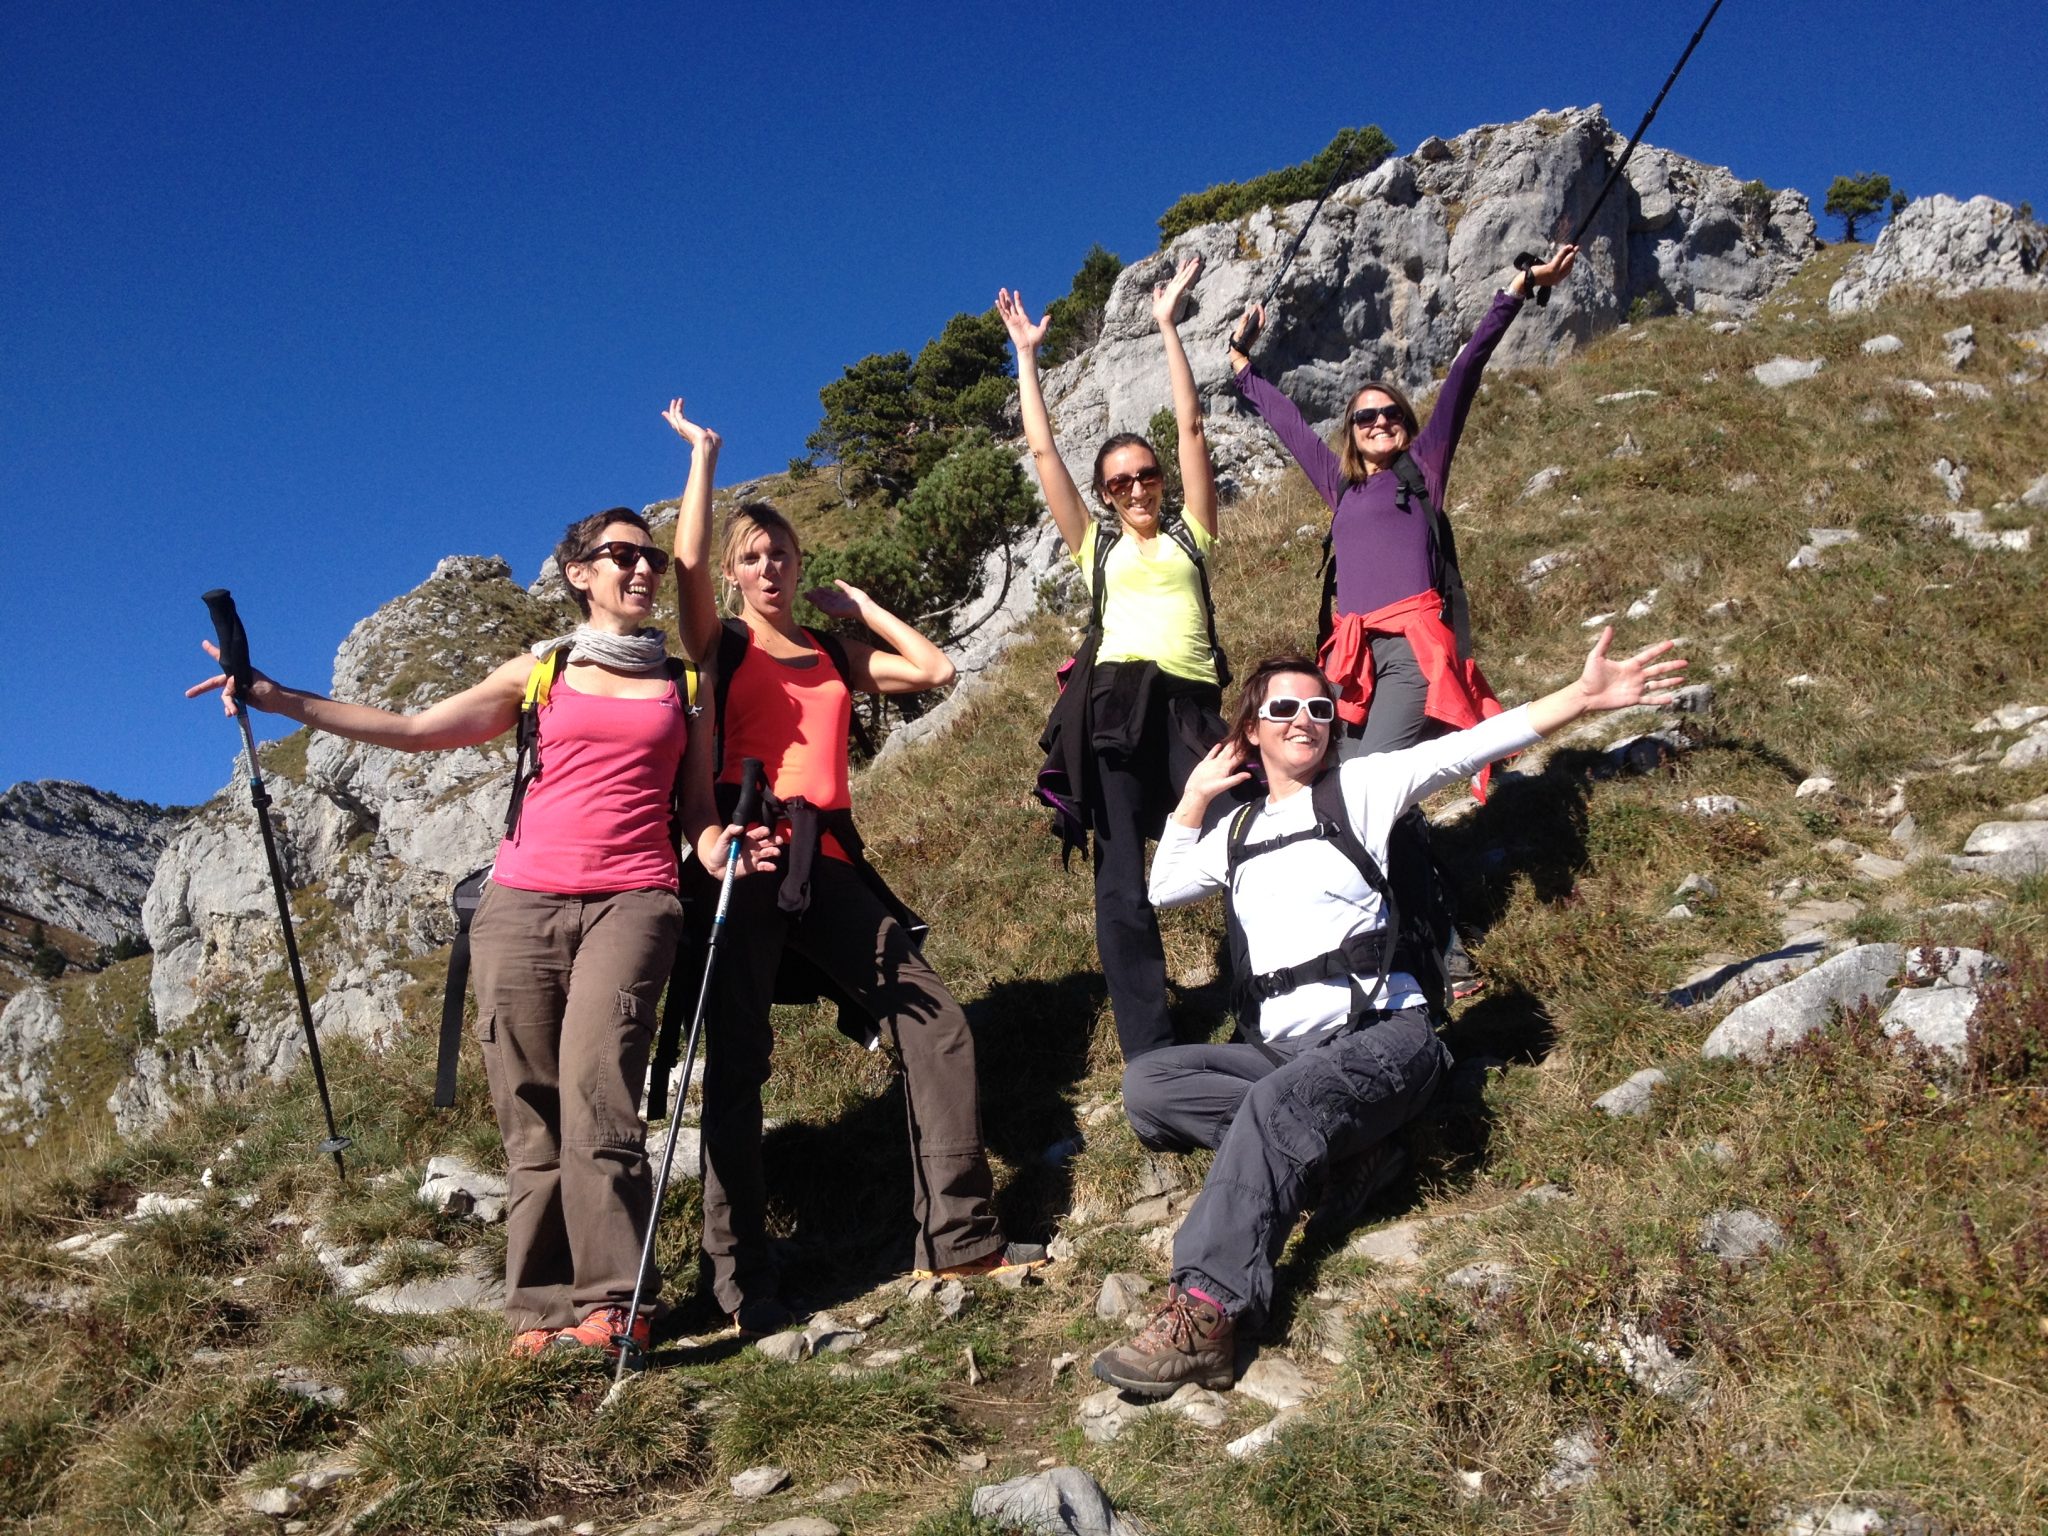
(1303, 900)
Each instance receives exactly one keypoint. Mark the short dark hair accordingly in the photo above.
(1255, 687)
(578, 538)
(1121, 440)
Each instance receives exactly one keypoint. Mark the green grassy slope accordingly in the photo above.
(1896, 1346)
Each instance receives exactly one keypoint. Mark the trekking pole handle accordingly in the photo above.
(232, 639)
(749, 807)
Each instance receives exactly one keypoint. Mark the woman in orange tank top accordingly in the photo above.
(787, 705)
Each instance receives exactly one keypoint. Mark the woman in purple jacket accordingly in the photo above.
(1395, 639)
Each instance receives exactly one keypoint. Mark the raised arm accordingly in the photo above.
(1197, 473)
(466, 719)
(1062, 498)
(1279, 413)
(696, 582)
(914, 666)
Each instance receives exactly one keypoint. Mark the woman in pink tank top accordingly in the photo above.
(788, 703)
(579, 925)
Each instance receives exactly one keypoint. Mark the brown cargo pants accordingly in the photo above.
(849, 936)
(567, 989)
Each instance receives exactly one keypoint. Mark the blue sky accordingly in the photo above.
(297, 299)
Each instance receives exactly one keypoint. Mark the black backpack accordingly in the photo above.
(469, 890)
(1417, 922)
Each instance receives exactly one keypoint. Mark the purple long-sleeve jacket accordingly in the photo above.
(1382, 553)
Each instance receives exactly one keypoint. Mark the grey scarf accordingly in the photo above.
(644, 650)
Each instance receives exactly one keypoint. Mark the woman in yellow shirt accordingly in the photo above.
(1151, 702)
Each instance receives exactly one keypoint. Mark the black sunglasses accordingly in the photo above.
(625, 554)
(1285, 706)
(1366, 415)
(1116, 487)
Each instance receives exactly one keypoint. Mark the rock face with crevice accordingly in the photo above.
(1940, 246)
(371, 839)
(80, 858)
(1401, 263)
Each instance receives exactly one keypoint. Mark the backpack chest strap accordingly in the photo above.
(1360, 954)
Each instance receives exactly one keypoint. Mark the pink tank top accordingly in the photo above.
(597, 816)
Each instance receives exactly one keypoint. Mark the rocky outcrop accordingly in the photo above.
(31, 1034)
(1401, 263)
(79, 858)
(1939, 246)
(371, 841)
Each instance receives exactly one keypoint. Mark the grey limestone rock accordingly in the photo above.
(1794, 1009)
(758, 1482)
(789, 1346)
(1631, 1099)
(32, 1037)
(1060, 1501)
(1948, 248)
(1275, 1381)
(80, 858)
(2008, 850)
(1883, 346)
(1781, 371)
(799, 1525)
(1937, 1017)
(451, 1184)
(1961, 343)
(1953, 477)
(1121, 1295)
(1575, 1461)
(1738, 1236)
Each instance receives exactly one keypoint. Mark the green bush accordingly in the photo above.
(1357, 149)
(1076, 320)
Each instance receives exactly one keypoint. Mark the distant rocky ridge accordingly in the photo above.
(1944, 247)
(1394, 274)
(80, 858)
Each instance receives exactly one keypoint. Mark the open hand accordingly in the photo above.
(261, 695)
(698, 437)
(1221, 768)
(1639, 679)
(758, 846)
(1167, 296)
(841, 600)
(1024, 336)
(1249, 325)
(1548, 274)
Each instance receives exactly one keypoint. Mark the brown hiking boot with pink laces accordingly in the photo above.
(1188, 1340)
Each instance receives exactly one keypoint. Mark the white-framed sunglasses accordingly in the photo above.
(1285, 706)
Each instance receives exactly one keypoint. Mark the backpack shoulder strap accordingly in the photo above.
(733, 641)
(834, 650)
(1106, 537)
(526, 735)
(1233, 844)
(1176, 528)
(1326, 795)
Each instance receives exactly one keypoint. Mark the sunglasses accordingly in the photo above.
(625, 554)
(1285, 706)
(1366, 415)
(1119, 486)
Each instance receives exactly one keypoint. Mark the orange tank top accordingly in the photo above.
(794, 716)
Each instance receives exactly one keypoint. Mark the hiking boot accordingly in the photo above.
(1351, 1188)
(760, 1316)
(1028, 1257)
(532, 1342)
(1188, 1340)
(1461, 971)
(601, 1330)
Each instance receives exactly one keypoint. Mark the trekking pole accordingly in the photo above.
(630, 1353)
(1248, 331)
(1528, 259)
(234, 661)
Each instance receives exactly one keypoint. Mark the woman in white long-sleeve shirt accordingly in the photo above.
(1345, 1053)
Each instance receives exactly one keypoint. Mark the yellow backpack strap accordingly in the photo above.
(542, 678)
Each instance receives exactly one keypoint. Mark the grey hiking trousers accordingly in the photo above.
(1279, 1115)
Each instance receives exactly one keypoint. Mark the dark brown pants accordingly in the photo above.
(566, 990)
(848, 935)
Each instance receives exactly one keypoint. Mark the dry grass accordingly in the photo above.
(1894, 1347)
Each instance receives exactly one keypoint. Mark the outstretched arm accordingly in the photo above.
(466, 719)
(1062, 499)
(1545, 274)
(1197, 473)
(696, 582)
(1278, 412)
(914, 666)
(1610, 684)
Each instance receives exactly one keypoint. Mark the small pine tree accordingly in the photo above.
(1076, 320)
(1853, 198)
(45, 960)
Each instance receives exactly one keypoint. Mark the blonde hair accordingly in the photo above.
(1349, 459)
(748, 519)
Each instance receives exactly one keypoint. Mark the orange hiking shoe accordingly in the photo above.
(526, 1345)
(602, 1329)
(1029, 1257)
